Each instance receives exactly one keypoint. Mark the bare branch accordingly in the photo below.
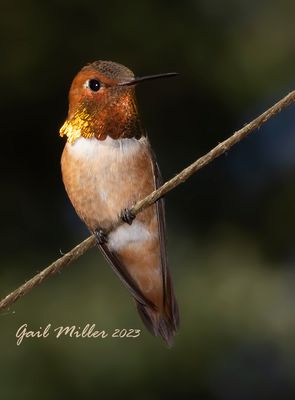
(84, 246)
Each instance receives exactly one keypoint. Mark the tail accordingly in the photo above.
(162, 323)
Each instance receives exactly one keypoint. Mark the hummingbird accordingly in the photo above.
(107, 166)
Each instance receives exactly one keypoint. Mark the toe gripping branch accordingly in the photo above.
(101, 236)
(127, 216)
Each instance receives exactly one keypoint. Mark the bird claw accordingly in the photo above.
(101, 236)
(127, 216)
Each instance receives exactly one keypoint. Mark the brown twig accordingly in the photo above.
(84, 246)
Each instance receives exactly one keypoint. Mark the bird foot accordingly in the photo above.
(127, 216)
(101, 236)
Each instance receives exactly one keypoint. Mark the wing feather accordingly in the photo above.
(123, 274)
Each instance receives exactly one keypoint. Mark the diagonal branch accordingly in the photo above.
(84, 246)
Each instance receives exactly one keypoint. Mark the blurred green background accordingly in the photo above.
(230, 227)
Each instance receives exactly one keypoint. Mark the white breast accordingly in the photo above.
(105, 159)
(109, 149)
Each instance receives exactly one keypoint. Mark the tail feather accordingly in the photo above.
(160, 323)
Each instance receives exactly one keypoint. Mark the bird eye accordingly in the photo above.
(94, 85)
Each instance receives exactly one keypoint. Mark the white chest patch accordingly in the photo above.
(109, 148)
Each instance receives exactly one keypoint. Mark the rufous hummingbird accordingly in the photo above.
(107, 166)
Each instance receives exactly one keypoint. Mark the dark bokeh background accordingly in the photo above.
(230, 227)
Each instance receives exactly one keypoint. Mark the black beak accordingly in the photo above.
(135, 81)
